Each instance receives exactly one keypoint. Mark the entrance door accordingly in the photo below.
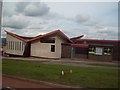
(27, 50)
(66, 51)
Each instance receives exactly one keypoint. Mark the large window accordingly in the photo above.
(23, 44)
(15, 45)
(52, 48)
(107, 51)
(92, 50)
(99, 51)
(7, 44)
(10, 45)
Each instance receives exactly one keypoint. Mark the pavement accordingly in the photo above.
(65, 61)
(18, 82)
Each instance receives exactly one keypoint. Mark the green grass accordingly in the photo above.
(88, 77)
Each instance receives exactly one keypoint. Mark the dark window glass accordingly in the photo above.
(52, 48)
(92, 50)
(47, 40)
(20, 45)
(107, 51)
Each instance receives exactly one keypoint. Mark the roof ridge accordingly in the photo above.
(40, 36)
(16, 36)
(50, 33)
(100, 40)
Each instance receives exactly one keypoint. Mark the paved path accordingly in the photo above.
(65, 61)
(81, 60)
(15, 82)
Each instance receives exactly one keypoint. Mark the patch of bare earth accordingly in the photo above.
(24, 83)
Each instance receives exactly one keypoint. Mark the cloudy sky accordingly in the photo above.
(98, 20)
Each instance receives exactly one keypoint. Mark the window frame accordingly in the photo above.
(52, 48)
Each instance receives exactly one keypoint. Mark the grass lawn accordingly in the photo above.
(88, 77)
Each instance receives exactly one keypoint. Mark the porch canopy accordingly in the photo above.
(80, 45)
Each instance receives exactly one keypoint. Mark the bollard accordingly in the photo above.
(62, 72)
(70, 71)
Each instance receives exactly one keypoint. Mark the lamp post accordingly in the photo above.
(0, 45)
(0, 14)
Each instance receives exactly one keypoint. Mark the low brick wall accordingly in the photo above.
(100, 57)
(80, 56)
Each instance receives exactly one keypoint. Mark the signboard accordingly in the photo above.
(99, 51)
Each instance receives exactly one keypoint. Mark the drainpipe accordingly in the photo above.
(0, 22)
(1, 44)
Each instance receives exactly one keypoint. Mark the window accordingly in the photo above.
(20, 45)
(107, 51)
(13, 45)
(17, 45)
(7, 44)
(47, 40)
(10, 45)
(23, 45)
(99, 51)
(52, 48)
(92, 50)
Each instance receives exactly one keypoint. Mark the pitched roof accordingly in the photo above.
(74, 39)
(25, 39)
(56, 32)
(29, 39)
(80, 45)
(96, 40)
(78, 37)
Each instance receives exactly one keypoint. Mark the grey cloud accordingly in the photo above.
(38, 26)
(8, 9)
(92, 23)
(27, 32)
(69, 33)
(20, 6)
(16, 22)
(35, 27)
(108, 32)
(32, 9)
(82, 19)
(44, 22)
